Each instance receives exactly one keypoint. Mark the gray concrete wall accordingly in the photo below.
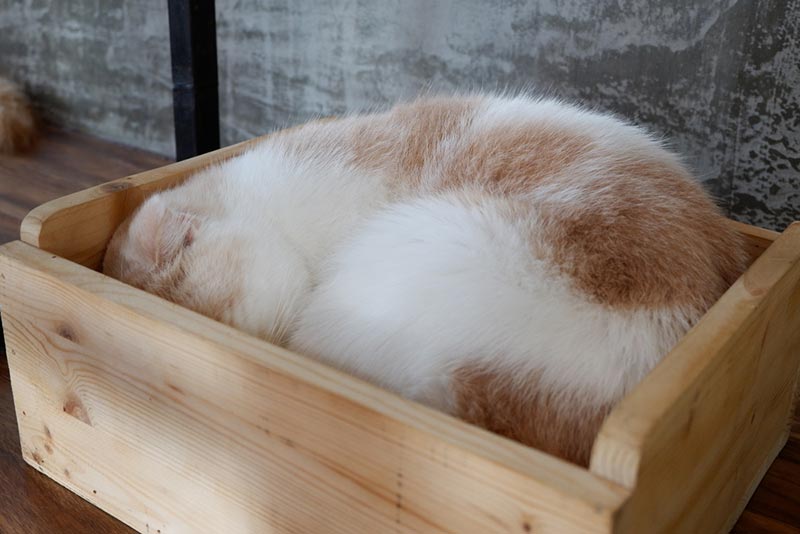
(719, 78)
(101, 66)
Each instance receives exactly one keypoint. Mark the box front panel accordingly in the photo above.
(173, 432)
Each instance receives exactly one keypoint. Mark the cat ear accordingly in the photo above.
(159, 232)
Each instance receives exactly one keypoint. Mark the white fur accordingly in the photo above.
(430, 285)
(279, 215)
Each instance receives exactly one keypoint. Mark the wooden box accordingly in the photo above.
(173, 422)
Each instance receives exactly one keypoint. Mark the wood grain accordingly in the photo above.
(698, 433)
(61, 163)
(167, 418)
(757, 240)
(775, 505)
(31, 503)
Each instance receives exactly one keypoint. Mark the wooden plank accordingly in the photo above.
(756, 240)
(61, 163)
(696, 436)
(173, 422)
(781, 500)
(78, 226)
(751, 523)
(31, 503)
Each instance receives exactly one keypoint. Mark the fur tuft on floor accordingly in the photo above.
(17, 125)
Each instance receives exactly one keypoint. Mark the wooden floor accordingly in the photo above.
(30, 503)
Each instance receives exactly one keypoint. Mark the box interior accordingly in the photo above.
(78, 227)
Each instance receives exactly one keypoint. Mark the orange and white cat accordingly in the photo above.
(516, 262)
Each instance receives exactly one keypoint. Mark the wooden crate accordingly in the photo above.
(173, 422)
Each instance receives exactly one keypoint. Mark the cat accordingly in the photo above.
(517, 262)
(17, 124)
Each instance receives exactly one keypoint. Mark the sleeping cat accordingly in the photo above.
(517, 262)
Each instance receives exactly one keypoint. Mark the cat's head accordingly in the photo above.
(149, 250)
(209, 263)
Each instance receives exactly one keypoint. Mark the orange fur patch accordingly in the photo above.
(426, 124)
(628, 248)
(400, 142)
(513, 160)
(514, 408)
(608, 241)
(404, 140)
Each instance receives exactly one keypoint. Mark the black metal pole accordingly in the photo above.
(193, 44)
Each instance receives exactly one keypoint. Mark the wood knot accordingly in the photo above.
(113, 187)
(756, 287)
(67, 332)
(74, 407)
(175, 388)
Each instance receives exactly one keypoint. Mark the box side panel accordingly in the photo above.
(78, 226)
(173, 422)
(695, 438)
(756, 240)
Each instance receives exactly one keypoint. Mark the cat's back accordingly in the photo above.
(603, 200)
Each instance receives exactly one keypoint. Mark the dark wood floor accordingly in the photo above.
(61, 163)
(30, 503)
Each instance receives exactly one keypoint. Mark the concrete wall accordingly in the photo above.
(719, 78)
(96, 65)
